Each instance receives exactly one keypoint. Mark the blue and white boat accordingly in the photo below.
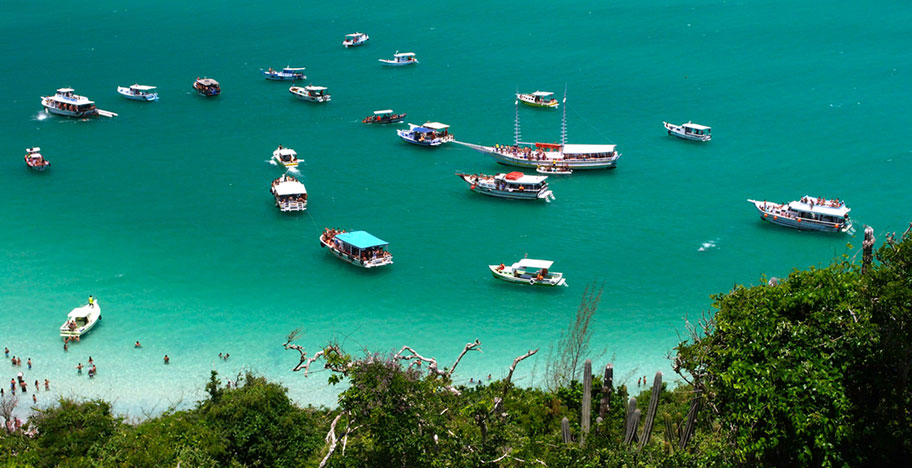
(358, 248)
(400, 59)
(807, 214)
(426, 134)
(287, 74)
(138, 92)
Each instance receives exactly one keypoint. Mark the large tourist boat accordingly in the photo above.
(538, 99)
(35, 161)
(138, 92)
(384, 117)
(807, 214)
(65, 102)
(81, 320)
(207, 87)
(290, 194)
(285, 156)
(533, 155)
(514, 185)
(426, 134)
(529, 271)
(358, 248)
(400, 59)
(689, 131)
(355, 39)
(310, 93)
(286, 74)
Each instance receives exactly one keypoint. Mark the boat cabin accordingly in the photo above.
(588, 151)
(528, 268)
(360, 244)
(315, 91)
(820, 209)
(519, 181)
(207, 86)
(404, 57)
(142, 90)
(354, 39)
(691, 128)
(66, 100)
(289, 193)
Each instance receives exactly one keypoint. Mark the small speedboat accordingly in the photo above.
(65, 102)
(358, 248)
(81, 320)
(310, 93)
(426, 134)
(287, 74)
(207, 87)
(355, 39)
(689, 131)
(538, 99)
(384, 117)
(290, 194)
(807, 214)
(138, 92)
(528, 271)
(554, 169)
(285, 156)
(400, 59)
(515, 185)
(34, 160)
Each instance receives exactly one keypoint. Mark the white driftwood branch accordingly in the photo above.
(498, 401)
(432, 363)
(331, 439)
(468, 347)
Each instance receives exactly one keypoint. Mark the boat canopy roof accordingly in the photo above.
(543, 93)
(532, 263)
(207, 82)
(385, 111)
(520, 178)
(422, 130)
(80, 312)
(293, 69)
(291, 187)
(404, 54)
(286, 152)
(435, 126)
(587, 149)
(354, 35)
(695, 126)
(361, 239)
(32, 150)
(315, 88)
(140, 87)
(65, 90)
(838, 211)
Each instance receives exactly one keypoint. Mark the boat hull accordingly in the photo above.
(354, 260)
(40, 167)
(530, 101)
(348, 44)
(305, 97)
(801, 224)
(508, 159)
(493, 191)
(392, 63)
(53, 110)
(291, 206)
(125, 92)
(507, 275)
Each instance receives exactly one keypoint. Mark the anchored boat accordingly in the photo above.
(65, 102)
(285, 156)
(207, 87)
(400, 59)
(807, 214)
(81, 320)
(538, 99)
(138, 92)
(426, 134)
(514, 185)
(689, 131)
(310, 93)
(529, 271)
(384, 117)
(355, 39)
(286, 74)
(290, 194)
(358, 248)
(35, 161)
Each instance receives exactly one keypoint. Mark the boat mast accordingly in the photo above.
(564, 119)
(516, 134)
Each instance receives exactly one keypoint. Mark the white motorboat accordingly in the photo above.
(689, 131)
(355, 39)
(538, 99)
(533, 155)
(35, 161)
(310, 93)
(554, 169)
(426, 134)
(286, 74)
(81, 320)
(285, 156)
(138, 92)
(290, 194)
(65, 102)
(514, 185)
(529, 271)
(807, 214)
(358, 248)
(400, 59)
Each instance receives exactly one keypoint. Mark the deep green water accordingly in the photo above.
(164, 212)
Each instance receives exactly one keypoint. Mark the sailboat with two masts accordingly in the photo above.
(563, 154)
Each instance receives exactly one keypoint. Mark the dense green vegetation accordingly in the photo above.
(813, 371)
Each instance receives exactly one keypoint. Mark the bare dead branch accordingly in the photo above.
(468, 347)
(498, 402)
(331, 439)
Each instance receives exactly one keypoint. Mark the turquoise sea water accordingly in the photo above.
(164, 213)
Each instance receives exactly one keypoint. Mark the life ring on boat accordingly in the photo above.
(532, 282)
(775, 218)
(799, 220)
(766, 215)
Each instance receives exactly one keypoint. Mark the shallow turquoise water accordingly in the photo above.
(164, 212)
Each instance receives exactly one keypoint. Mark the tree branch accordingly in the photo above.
(498, 402)
(331, 439)
(468, 347)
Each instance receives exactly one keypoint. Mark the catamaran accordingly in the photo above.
(358, 248)
(514, 185)
(529, 271)
(807, 214)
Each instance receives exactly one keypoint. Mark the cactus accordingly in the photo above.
(607, 386)
(587, 401)
(632, 430)
(688, 429)
(631, 424)
(565, 430)
(669, 433)
(651, 413)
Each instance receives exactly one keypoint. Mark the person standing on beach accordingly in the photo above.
(79, 368)
(167, 359)
(47, 384)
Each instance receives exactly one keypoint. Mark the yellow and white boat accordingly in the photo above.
(285, 156)
(538, 99)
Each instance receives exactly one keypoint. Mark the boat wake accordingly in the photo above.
(41, 116)
(294, 170)
(710, 244)
(272, 161)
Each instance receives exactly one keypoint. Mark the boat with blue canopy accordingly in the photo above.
(426, 134)
(358, 248)
(287, 74)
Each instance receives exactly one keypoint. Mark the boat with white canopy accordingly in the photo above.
(400, 59)
(290, 194)
(285, 156)
(81, 320)
(35, 161)
(426, 134)
(286, 74)
(358, 248)
(807, 214)
(515, 185)
(538, 99)
(554, 169)
(529, 271)
(689, 131)
(138, 92)
(310, 93)
(384, 117)
(65, 102)
(355, 39)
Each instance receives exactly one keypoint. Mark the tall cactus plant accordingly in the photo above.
(607, 387)
(587, 401)
(651, 412)
(690, 421)
(633, 420)
(565, 430)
